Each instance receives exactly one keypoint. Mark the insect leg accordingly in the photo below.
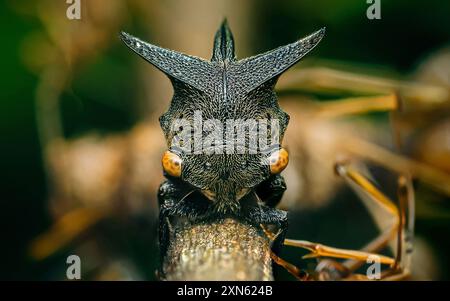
(264, 215)
(169, 194)
(271, 191)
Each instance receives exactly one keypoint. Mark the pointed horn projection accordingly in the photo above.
(223, 44)
(257, 70)
(188, 69)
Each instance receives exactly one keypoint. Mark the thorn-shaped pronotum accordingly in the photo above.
(228, 94)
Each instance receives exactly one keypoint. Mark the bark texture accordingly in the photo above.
(223, 250)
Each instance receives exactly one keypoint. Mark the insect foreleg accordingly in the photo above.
(170, 193)
(271, 190)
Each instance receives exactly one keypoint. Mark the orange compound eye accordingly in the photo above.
(278, 161)
(172, 164)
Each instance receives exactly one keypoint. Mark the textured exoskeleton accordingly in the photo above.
(203, 185)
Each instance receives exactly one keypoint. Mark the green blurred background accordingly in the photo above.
(105, 95)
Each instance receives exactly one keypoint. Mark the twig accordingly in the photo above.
(222, 250)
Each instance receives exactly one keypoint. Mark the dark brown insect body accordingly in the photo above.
(241, 181)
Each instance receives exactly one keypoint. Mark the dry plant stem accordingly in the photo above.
(357, 105)
(356, 178)
(402, 226)
(292, 269)
(222, 250)
(377, 154)
(356, 257)
(319, 250)
(320, 79)
(65, 230)
(374, 246)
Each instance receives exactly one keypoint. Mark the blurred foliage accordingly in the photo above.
(405, 34)
(24, 213)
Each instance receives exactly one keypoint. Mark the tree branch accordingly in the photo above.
(222, 250)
